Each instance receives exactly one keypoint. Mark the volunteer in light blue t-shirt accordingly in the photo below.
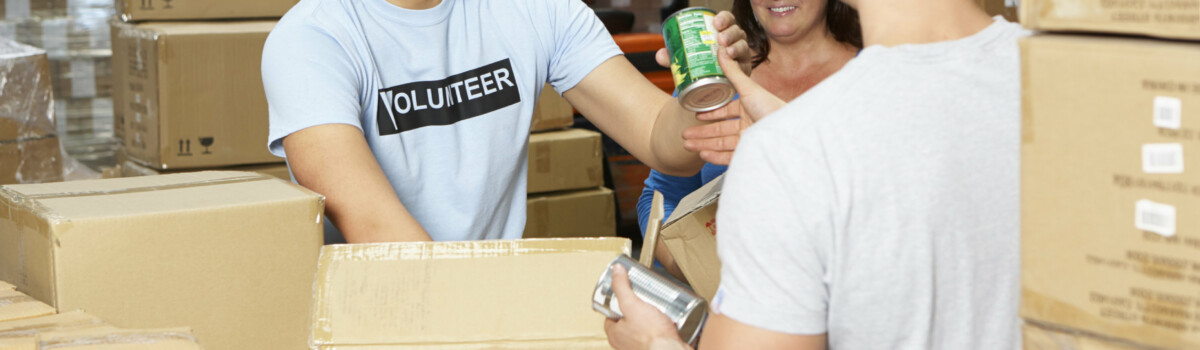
(412, 116)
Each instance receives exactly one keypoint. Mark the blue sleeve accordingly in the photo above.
(309, 80)
(673, 188)
(581, 43)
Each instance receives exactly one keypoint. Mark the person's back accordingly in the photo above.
(881, 207)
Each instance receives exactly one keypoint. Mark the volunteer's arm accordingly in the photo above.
(644, 120)
(334, 160)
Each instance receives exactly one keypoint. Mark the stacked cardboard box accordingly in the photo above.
(189, 91)
(1110, 238)
(28, 324)
(76, 38)
(565, 176)
(29, 147)
(230, 254)
(519, 294)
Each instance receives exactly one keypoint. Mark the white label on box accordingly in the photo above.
(1168, 112)
(1162, 158)
(83, 78)
(1154, 217)
(16, 9)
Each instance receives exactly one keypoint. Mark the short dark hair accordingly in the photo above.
(840, 19)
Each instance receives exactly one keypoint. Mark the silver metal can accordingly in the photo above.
(683, 307)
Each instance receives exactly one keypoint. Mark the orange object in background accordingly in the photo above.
(640, 48)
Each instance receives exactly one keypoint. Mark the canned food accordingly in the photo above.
(691, 40)
(683, 307)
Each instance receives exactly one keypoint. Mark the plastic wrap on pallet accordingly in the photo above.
(82, 77)
(63, 37)
(29, 147)
(14, 9)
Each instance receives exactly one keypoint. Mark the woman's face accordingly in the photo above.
(786, 20)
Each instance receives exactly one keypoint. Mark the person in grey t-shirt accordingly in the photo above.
(879, 210)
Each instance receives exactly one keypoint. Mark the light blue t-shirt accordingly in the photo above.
(444, 96)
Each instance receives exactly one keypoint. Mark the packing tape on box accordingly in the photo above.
(111, 339)
(449, 250)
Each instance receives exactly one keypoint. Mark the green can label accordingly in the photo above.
(691, 40)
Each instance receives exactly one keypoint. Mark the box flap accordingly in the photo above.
(208, 28)
(64, 321)
(698, 199)
(141, 339)
(460, 294)
(15, 305)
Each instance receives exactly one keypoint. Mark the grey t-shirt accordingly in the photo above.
(881, 207)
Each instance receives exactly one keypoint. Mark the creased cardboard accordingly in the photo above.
(277, 170)
(193, 94)
(120, 339)
(1040, 337)
(31, 327)
(15, 305)
(519, 294)
(690, 235)
(587, 213)
(230, 254)
(552, 112)
(565, 160)
(1110, 240)
(145, 10)
(1172, 19)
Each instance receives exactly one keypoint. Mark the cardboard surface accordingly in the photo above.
(520, 294)
(27, 327)
(25, 343)
(143, 10)
(1175, 19)
(552, 111)
(230, 254)
(29, 148)
(276, 170)
(120, 339)
(690, 234)
(193, 94)
(15, 305)
(1036, 337)
(565, 160)
(586, 213)
(1110, 239)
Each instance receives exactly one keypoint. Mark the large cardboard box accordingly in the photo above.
(1175, 19)
(146, 10)
(29, 148)
(518, 294)
(230, 254)
(193, 94)
(278, 170)
(1037, 337)
(565, 160)
(690, 235)
(587, 213)
(552, 112)
(1110, 239)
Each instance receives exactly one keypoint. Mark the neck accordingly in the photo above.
(415, 4)
(896, 22)
(792, 67)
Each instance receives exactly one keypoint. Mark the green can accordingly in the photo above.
(691, 40)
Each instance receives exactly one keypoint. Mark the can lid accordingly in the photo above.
(707, 95)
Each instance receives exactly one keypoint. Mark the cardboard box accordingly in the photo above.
(1110, 239)
(1035, 337)
(277, 170)
(26, 343)
(15, 305)
(690, 234)
(29, 148)
(193, 93)
(565, 160)
(147, 10)
(230, 254)
(587, 213)
(552, 112)
(1173, 19)
(140, 339)
(29, 327)
(519, 294)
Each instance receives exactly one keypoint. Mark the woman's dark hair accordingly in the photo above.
(840, 19)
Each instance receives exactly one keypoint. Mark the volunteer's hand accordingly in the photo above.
(643, 326)
(731, 39)
(716, 141)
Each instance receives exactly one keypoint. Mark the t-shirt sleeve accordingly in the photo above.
(581, 43)
(309, 80)
(774, 229)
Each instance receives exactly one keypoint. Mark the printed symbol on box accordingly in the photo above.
(206, 141)
(1162, 158)
(168, 4)
(1154, 217)
(1168, 112)
(185, 147)
(147, 4)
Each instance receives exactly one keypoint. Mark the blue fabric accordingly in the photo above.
(673, 188)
